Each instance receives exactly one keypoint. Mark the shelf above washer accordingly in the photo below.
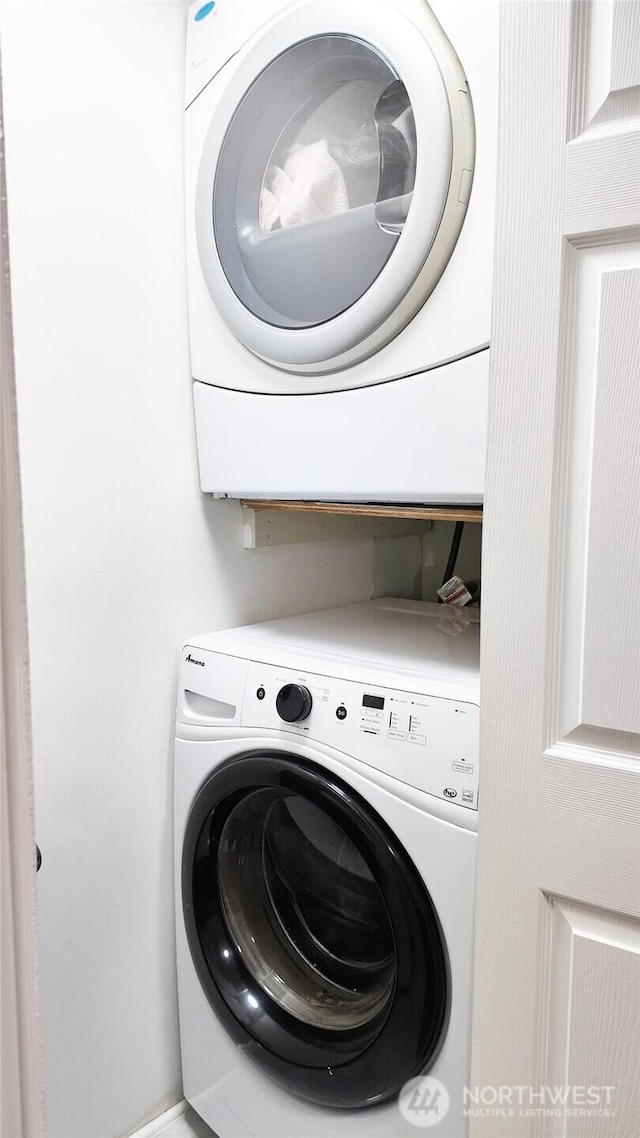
(371, 510)
(274, 522)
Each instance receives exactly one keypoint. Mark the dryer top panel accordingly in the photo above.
(216, 32)
(388, 636)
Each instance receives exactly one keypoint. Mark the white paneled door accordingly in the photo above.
(557, 982)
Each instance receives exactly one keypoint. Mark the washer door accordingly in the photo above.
(311, 931)
(333, 182)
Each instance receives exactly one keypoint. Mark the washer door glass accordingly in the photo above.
(314, 181)
(305, 911)
(311, 933)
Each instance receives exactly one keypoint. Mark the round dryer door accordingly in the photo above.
(334, 180)
(311, 931)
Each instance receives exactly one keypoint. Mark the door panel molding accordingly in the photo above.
(605, 67)
(589, 832)
(593, 963)
(602, 181)
(592, 639)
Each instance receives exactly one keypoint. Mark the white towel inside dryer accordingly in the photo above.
(309, 186)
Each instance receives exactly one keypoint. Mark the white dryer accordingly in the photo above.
(339, 206)
(326, 783)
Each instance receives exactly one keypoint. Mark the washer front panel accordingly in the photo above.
(336, 159)
(423, 740)
(427, 742)
(311, 932)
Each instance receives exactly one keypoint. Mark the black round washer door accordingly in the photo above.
(312, 934)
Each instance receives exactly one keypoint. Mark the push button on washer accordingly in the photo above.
(341, 712)
(260, 694)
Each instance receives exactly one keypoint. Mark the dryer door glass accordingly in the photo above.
(314, 181)
(311, 932)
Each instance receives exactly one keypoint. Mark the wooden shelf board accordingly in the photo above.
(367, 510)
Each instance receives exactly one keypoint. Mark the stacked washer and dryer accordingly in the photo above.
(339, 194)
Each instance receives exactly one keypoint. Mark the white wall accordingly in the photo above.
(124, 557)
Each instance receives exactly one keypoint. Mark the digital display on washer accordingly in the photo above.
(376, 701)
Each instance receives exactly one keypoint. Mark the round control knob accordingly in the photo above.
(293, 703)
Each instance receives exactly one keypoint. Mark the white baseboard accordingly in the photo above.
(157, 1125)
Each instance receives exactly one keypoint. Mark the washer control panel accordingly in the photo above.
(427, 742)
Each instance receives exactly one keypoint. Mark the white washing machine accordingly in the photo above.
(326, 785)
(339, 207)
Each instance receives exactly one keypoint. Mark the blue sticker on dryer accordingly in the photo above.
(205, 10)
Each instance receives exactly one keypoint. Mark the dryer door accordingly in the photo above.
(311, 931)
(333, 182)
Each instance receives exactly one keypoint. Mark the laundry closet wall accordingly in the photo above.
(124, 557)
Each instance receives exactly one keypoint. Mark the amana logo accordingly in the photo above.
(192, 660)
